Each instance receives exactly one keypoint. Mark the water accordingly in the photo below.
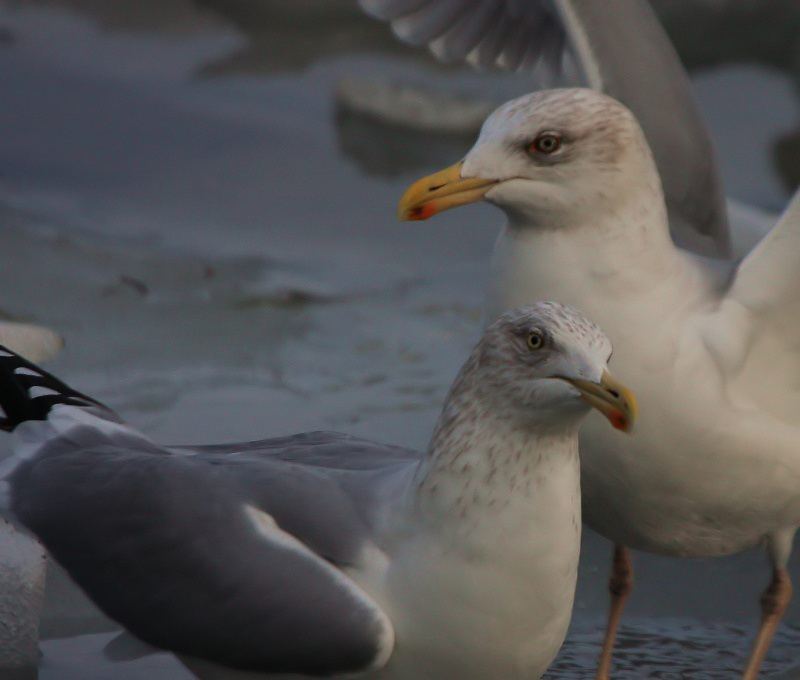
(216, 240)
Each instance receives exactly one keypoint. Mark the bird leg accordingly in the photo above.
(774, 601)
(619, 585)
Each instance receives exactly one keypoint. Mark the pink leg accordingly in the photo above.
(773, 604)
(620, 585)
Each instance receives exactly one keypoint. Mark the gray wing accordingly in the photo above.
(240, 560)
(623, 51)
(619, 48)
(506, 34)
(235, 561)
(372, 476)
(323, 448)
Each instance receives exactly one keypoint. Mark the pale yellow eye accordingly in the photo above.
(535, 340)
(546, 143)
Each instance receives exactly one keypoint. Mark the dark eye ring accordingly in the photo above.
(546, 143)
(535, 340)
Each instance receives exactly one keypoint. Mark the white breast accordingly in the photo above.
(490, 593)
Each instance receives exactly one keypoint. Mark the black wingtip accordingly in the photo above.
(28, 392)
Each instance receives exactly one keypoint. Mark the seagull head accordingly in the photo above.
(549, 362)
(550, 159)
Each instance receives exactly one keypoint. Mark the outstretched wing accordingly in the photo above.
(506, 34)
(755, 331)
(239, 561)
(767, 281)
(619, 48)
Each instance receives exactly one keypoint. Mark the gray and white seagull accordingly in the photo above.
(325, 554)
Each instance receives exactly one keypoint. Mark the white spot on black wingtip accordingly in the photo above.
(4, 353)
(24, 370)
(40, 391)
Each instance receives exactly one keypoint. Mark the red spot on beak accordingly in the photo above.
(422, 212)
(618, 421)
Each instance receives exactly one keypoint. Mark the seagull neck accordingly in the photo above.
(627, 241)
(622, 256)
(481, 462)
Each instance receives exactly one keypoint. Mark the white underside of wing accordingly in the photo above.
(749, 224)
(767, 280)
(755, 331)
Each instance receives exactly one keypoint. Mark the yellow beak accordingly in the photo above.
(441, 191)
(615, 401)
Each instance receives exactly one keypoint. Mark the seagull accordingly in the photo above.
(714, 466)
(618, 48)
(326, 554)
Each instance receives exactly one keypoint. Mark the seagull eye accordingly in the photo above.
(535, 340)
(546, 143)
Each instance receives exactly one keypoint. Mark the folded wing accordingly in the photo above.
(240, 561)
